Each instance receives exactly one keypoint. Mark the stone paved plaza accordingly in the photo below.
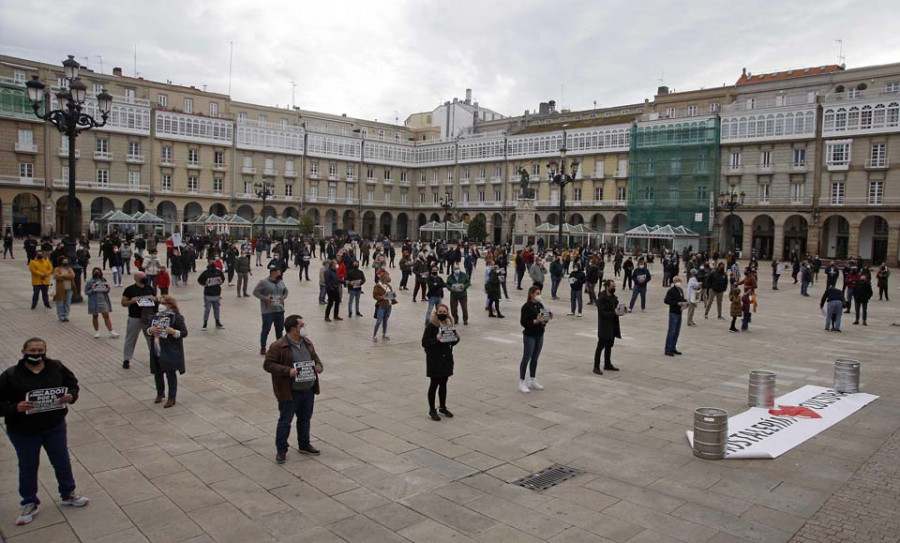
(204, 470)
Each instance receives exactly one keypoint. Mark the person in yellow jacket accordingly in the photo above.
(65, 286)
(41, 272)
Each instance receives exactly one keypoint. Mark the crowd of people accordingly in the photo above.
(439, 270)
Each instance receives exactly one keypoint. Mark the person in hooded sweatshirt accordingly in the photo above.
(211, 279)
(439, 358)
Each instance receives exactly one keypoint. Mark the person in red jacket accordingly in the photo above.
(163, 280)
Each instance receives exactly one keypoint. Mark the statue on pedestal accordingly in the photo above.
(526, 193)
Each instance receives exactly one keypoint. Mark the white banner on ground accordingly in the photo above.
(797, 416)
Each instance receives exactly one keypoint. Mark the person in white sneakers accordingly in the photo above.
(534, 320)
(576, 282)
(97, 290)
(34, 399)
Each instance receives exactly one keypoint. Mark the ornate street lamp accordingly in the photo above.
(731, 200)
(560, 177)
(447, 205)
(264, 190)
(70, 120)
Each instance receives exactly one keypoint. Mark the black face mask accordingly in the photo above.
(35, 359)
(98, 275)
(612, 291)
(433, 273)
(442, 317)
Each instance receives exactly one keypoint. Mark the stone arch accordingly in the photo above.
(167, 211)
(290, 211)
(313, 214)
(402, 226)
(435, 218)
(268, 211)
(27, 213)
(619, 223)
(873, 239)
(763, 243)
(836, 236)
(368, 225)
(795, 235)
(598, 223)
(330, 222)
(732, 233)
(218, 209)
(553, 219)
(246, 212)
(421, 220)
(191, 211)
(349, 220)
(132, 206)
(62, 215)
(101, 206)
(575, 218)
(384, 224)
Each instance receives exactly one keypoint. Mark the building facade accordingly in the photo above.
(816, 155)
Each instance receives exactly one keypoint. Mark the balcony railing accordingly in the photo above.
(837, 166)
(334, 177)
(314, 175)
(219, 166)
(249, 170)
(464, 181)
(291, 174)
(167, 162)
(433, 182)
(620, 174)
(351, 179)
(134, 159)
(103, 155)
(64, 153)
(881, 164)
(859, 201)
(598, 175)
(420, 183)
(16, 180)
(270, 172)
(496, 179)
(448, 181)
(480, 180)
(404, 183)
(371, 180)
(30, 148)
(194, 165)
(119, 187)
(388, 182)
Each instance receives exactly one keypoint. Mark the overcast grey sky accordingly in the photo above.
(387, 59)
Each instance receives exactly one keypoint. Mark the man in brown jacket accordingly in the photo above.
(295, 369)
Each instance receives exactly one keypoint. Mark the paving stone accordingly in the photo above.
(731, 524)
(429, 531)
(530, 522)
(713, 500)
(312, 503)
(660, 522)
(440, 464)
(319, 475)
(286, 526)
(126, 485)
(187, 491)
(264, 471)
(582, 496)
(57, 533)
(577, 535)
(458, 492)
(359, 529)
(251, 498)
(225, 524)
(394, 516)
(160, 520)
(97, 457)
(131, 535)
(153, 462)
(446, 512)
(361, 499)
(101, 518)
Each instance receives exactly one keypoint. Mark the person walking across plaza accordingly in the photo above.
(8, 245)
(608, 329)
(458, 283)
(65, 287)
(861, 296)
(140, 299)
(167, 331)
(295, 367)
(676, 301)
(385, 299)
(834, 298)
(533, 318)
(97, 291)
(693, 296)
(212, 279)
(30, 431)
(41, 273)
(776, 273)
(641, 278)
(420, 272)
(439, 358)
(271, 293)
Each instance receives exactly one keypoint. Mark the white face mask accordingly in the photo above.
(538, 298)
(304, 332)
(163, 307)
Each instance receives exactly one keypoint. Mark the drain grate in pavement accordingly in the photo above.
(547, 477)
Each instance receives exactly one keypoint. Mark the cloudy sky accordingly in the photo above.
(386, 59)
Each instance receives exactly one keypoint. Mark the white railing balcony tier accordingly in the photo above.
(867, 114)
(270, 172)
(125, 116)
(496, 179)
(464, 181)
(786, 101)
(480, 180)
(620, 175)
(420, 183)
(219, 167)
(778, 124)
(334, 177)
(853, 95)
(194, 128)
(877, 164)
(167, 162)
(16, 180)
(249, 170)
(103, 155)
(312, 199)
(94, 185)
(314, 175)
(859, 201)
(404, 183)
(290, 174)
(134, 159)
(30, 148)
(371, 181)
(448, 182)
(64, 153)
(264, 136)
(775, 201)
(351, 179)
(433, 183)
(598, 175)
(838, 167)
(388, 182)
(194, 165)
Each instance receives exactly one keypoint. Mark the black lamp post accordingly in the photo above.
(731, 200)
(70, 120)
(264, 190)
(446, 204)
(559, 177)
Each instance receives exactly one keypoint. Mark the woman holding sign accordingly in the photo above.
(385, 299)
(34, 395)
(168, 331)
(438, 340)
(97, 290)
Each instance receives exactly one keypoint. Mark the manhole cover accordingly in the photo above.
(547, 478)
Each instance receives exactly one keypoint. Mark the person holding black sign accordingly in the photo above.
(385, 299)
(212, 279)
(295, 369)
(34, 395)
(168, 331)
(458, 282)
(438, 340)
(608, 312)
(97, 290)
(140, 299)
(534, 318)
(355, 280)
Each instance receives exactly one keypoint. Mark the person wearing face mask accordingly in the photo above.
(717, 283)
(576, 283)
(607, 326)
(41, 273)
(243, 270)
(271, 293)
(212, 279)
(295, 367)
(537, 272)
(140, 299)
(458, 282)
(355, 280)
(677, 302)
(438, 359)
(333, 285)
(534, 321)
(65, 286)
(420, 270)
(627, 269)
(385, 299)
(167, 330)
(435, 291)
(97, 290)
(493, 288)
(30, 431)
(641, 278)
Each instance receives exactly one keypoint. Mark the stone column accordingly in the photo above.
(778, 242)
(853, 241)
(747, 242)
(813, 237)
(6, 212)
(893, 241)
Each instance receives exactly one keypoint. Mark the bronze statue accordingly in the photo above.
(526, 193)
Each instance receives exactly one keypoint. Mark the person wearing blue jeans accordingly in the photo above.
(29, 433)
(534, 323)
(384, 299)
(835, 300)
(676, 301)
(640, 277)
(355, 280)
(576, 285)
(435, 292)
(271, 293)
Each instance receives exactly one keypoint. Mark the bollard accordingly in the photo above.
(846, 375)
(762, 389)
(710, 433)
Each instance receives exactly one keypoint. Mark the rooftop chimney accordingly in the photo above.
(468, 96)
(662, 90)
(117, 72)
(552, 104)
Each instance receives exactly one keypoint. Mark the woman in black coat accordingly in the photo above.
(607, 326)
(167, 351)
(493, 293)
(438, 359)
